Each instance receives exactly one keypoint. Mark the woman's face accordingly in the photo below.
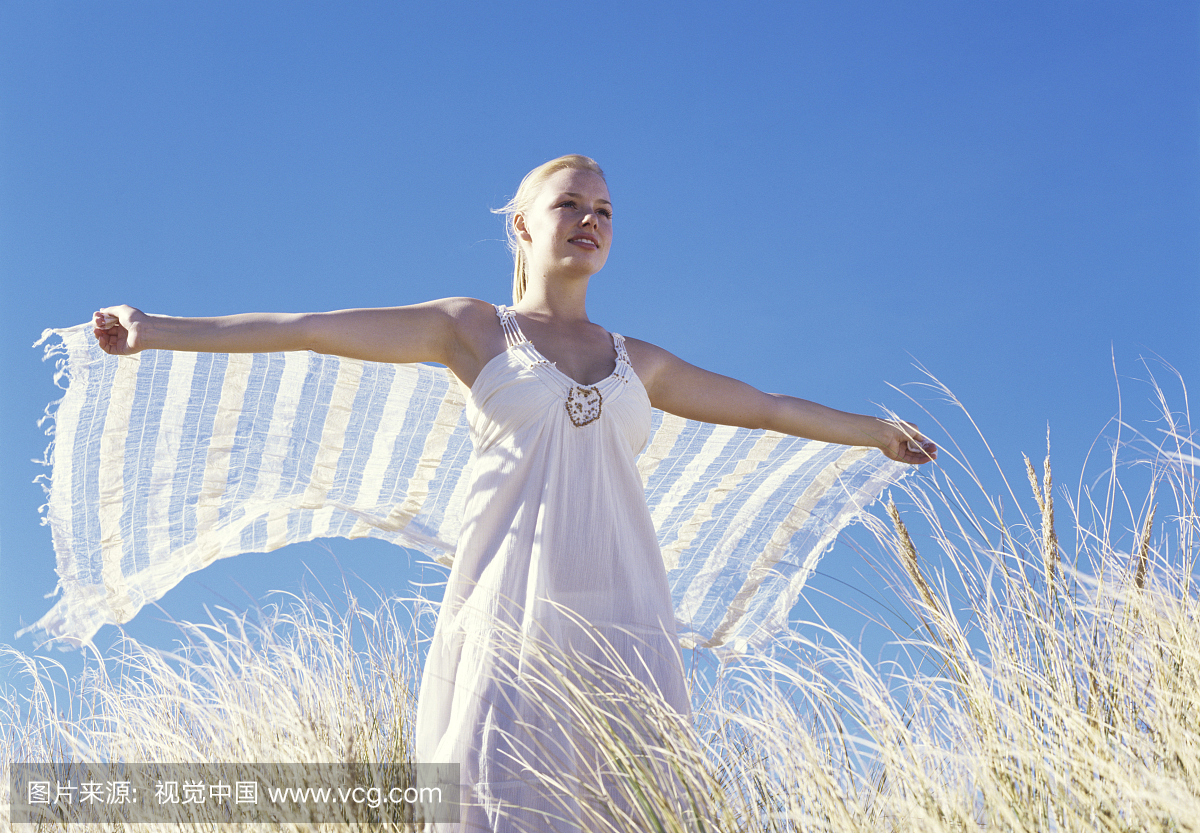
(569, 225)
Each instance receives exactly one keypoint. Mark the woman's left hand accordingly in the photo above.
(902, 442)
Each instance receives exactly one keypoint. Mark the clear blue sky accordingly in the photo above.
(809, 196)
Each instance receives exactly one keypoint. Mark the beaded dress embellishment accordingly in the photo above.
(583, 405)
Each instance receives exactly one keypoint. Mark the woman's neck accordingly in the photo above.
(562, 300)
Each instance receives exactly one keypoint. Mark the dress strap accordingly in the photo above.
(508, 322)
(619, 346)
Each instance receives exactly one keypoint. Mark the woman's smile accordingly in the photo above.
(587, 241)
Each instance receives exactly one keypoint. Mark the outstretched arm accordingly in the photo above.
(688, 391)
(437, 331)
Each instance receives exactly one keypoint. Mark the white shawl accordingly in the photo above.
(166, 461)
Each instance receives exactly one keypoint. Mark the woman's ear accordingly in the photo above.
(518, 222)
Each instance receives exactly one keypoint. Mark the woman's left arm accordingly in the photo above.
(688, 391)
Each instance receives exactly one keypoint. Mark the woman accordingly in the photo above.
(557, 548)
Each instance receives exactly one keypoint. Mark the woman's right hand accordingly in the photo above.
(118, 330)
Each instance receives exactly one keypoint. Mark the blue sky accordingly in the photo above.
(810, 197)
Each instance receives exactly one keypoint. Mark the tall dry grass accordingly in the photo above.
(304, 683)
(1052, 681)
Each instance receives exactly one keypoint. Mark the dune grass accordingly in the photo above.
(1052, 681)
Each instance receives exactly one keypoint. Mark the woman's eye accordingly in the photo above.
(606, 212)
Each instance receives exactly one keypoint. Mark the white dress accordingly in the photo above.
(557, 549)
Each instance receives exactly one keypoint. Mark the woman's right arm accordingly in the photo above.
(438, 331)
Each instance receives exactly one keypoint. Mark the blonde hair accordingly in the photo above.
(523, 199)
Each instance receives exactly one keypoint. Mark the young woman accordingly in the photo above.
(557, 546)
